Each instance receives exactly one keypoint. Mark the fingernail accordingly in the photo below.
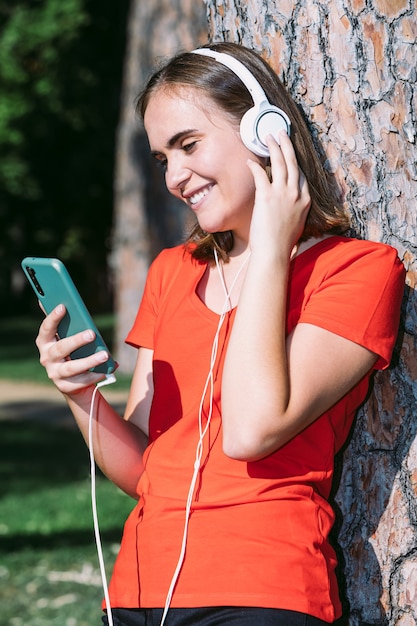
(102, 356)
(88, 335)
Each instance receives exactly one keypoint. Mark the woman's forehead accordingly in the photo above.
(175, 94)
(178, 103)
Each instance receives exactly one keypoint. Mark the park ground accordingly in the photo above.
(48, 561)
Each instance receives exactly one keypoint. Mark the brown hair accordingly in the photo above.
(219, 83)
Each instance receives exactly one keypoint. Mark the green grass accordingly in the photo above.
(49, 573)
(48, 561)
(19, 358)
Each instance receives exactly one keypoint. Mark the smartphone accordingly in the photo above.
(53, 285)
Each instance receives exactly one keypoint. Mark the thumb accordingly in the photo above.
(258, 172)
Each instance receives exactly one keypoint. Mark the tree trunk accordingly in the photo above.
(145, 219)
(353, 71)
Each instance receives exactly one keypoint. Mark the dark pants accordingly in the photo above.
(213, 616)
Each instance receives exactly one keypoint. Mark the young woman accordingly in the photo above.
(256, 342)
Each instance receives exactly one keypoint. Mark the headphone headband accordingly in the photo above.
(247, 78)
(263, 118)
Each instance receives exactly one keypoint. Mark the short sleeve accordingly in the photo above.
(161, 274)
(360, 297)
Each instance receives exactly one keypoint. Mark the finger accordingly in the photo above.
(49, 327)
(255, 167)
(42, 307)
(73, 368)
(63, 350)
(289, 156)
(259, 174)
(302, 182)
(67, 345)
(74, 383)
(277, 158)
(73, 375)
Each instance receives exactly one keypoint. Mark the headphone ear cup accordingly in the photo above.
(271, 122)
(259, 122)
(248, 132)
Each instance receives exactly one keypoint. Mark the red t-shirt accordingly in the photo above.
(258, 531)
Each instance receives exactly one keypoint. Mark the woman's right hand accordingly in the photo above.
(281, 203)
(71, 376)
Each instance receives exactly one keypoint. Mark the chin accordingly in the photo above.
(213, 228)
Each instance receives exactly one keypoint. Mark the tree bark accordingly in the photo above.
(145, 218)
(352, 69)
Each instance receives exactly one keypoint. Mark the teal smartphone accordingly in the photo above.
(53, 285)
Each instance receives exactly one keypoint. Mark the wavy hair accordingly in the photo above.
(227, 91)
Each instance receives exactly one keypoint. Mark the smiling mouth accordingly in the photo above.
(197, 197)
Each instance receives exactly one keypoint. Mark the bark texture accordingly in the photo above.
(146, 219)
(351, 65)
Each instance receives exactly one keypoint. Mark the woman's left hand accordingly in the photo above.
(281, 204)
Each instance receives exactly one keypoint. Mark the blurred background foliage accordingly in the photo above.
(60, 77)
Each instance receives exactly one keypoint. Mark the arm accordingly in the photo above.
(118, 444)
(275, 387)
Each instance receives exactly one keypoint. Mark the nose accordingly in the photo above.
(176, 174)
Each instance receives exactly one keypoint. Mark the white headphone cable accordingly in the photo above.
(110, 378)
(202, 431)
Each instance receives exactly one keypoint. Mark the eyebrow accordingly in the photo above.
(175, 138)
(183, 133)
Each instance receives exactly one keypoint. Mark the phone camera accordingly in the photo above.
(34, 280)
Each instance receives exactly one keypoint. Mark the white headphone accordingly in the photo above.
(263, 118)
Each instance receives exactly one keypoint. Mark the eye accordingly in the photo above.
(161, 163)
(189, 147)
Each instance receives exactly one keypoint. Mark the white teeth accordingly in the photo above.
(198, 196)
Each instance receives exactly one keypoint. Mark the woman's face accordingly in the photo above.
(204, 158)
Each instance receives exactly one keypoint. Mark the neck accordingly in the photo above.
(240, 246)
(226, 288)
(305, 245)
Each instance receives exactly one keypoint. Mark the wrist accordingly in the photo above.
(276, 257)
(81, 396)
